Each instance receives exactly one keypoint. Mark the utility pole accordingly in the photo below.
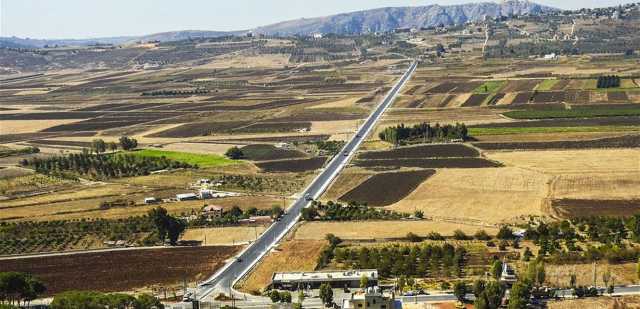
(594, 275)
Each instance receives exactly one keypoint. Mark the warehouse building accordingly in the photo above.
(313, 280)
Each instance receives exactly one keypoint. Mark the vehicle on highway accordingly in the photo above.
(308, 197)
(346, 153)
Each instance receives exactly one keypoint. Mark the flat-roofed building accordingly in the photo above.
(313, 279)
(371, 298)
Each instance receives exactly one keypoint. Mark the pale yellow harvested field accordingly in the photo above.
(597, 97)
(383, 229)
(479, 196)
(245, 61)
(559, 275)
(634, 97)
(334, 127)
(34, 91)
(459, 100)
(293, 255)
(624, 185)
(231, 235)
(348, 102)
(475, 115)
(344, 183)
(203, 148)
(507, 99)
(559, 70)
(21, 126)
(572, 161)
(627, 83)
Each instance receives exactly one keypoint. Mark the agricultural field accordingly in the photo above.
(367, 230)
(137, 268)
(291, 255)
(263, 152)
(478, 196)
(543, 142)
(379, 191)
(223, 236)
(200, 160)
(294, 165)
(280, 109)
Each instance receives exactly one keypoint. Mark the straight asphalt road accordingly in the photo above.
(223, 280)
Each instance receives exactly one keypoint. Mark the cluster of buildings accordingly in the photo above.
(204, 191)
(371, 297)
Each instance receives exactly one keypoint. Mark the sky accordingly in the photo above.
(107, 18)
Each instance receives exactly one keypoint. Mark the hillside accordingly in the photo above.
(383, 19)
(390, 18)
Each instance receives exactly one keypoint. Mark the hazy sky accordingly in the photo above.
(102, 18)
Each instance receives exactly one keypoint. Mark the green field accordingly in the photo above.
(525, 130)
(202, 160)
(490, 86)
(574, 113)
(546, 84)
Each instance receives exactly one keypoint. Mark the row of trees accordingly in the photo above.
(418, 261)
(175, 92)
(102, 167)
(17, 152)
(96, 300)
(18, 288)
(607, 238)
(609, 81)
(29, 236)
(235, 214)
(401, 134)
(126, 143)
(157, 226)
(338, 212)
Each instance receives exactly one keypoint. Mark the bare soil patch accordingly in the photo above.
(475, 100)
(292, 166)
(616, 96)
(629, 141)
(136, 268)
(423, 151)
(269, 127)
(198, 129)
(428, 163)
(571, 208)
(520, 85)
(386, 188)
